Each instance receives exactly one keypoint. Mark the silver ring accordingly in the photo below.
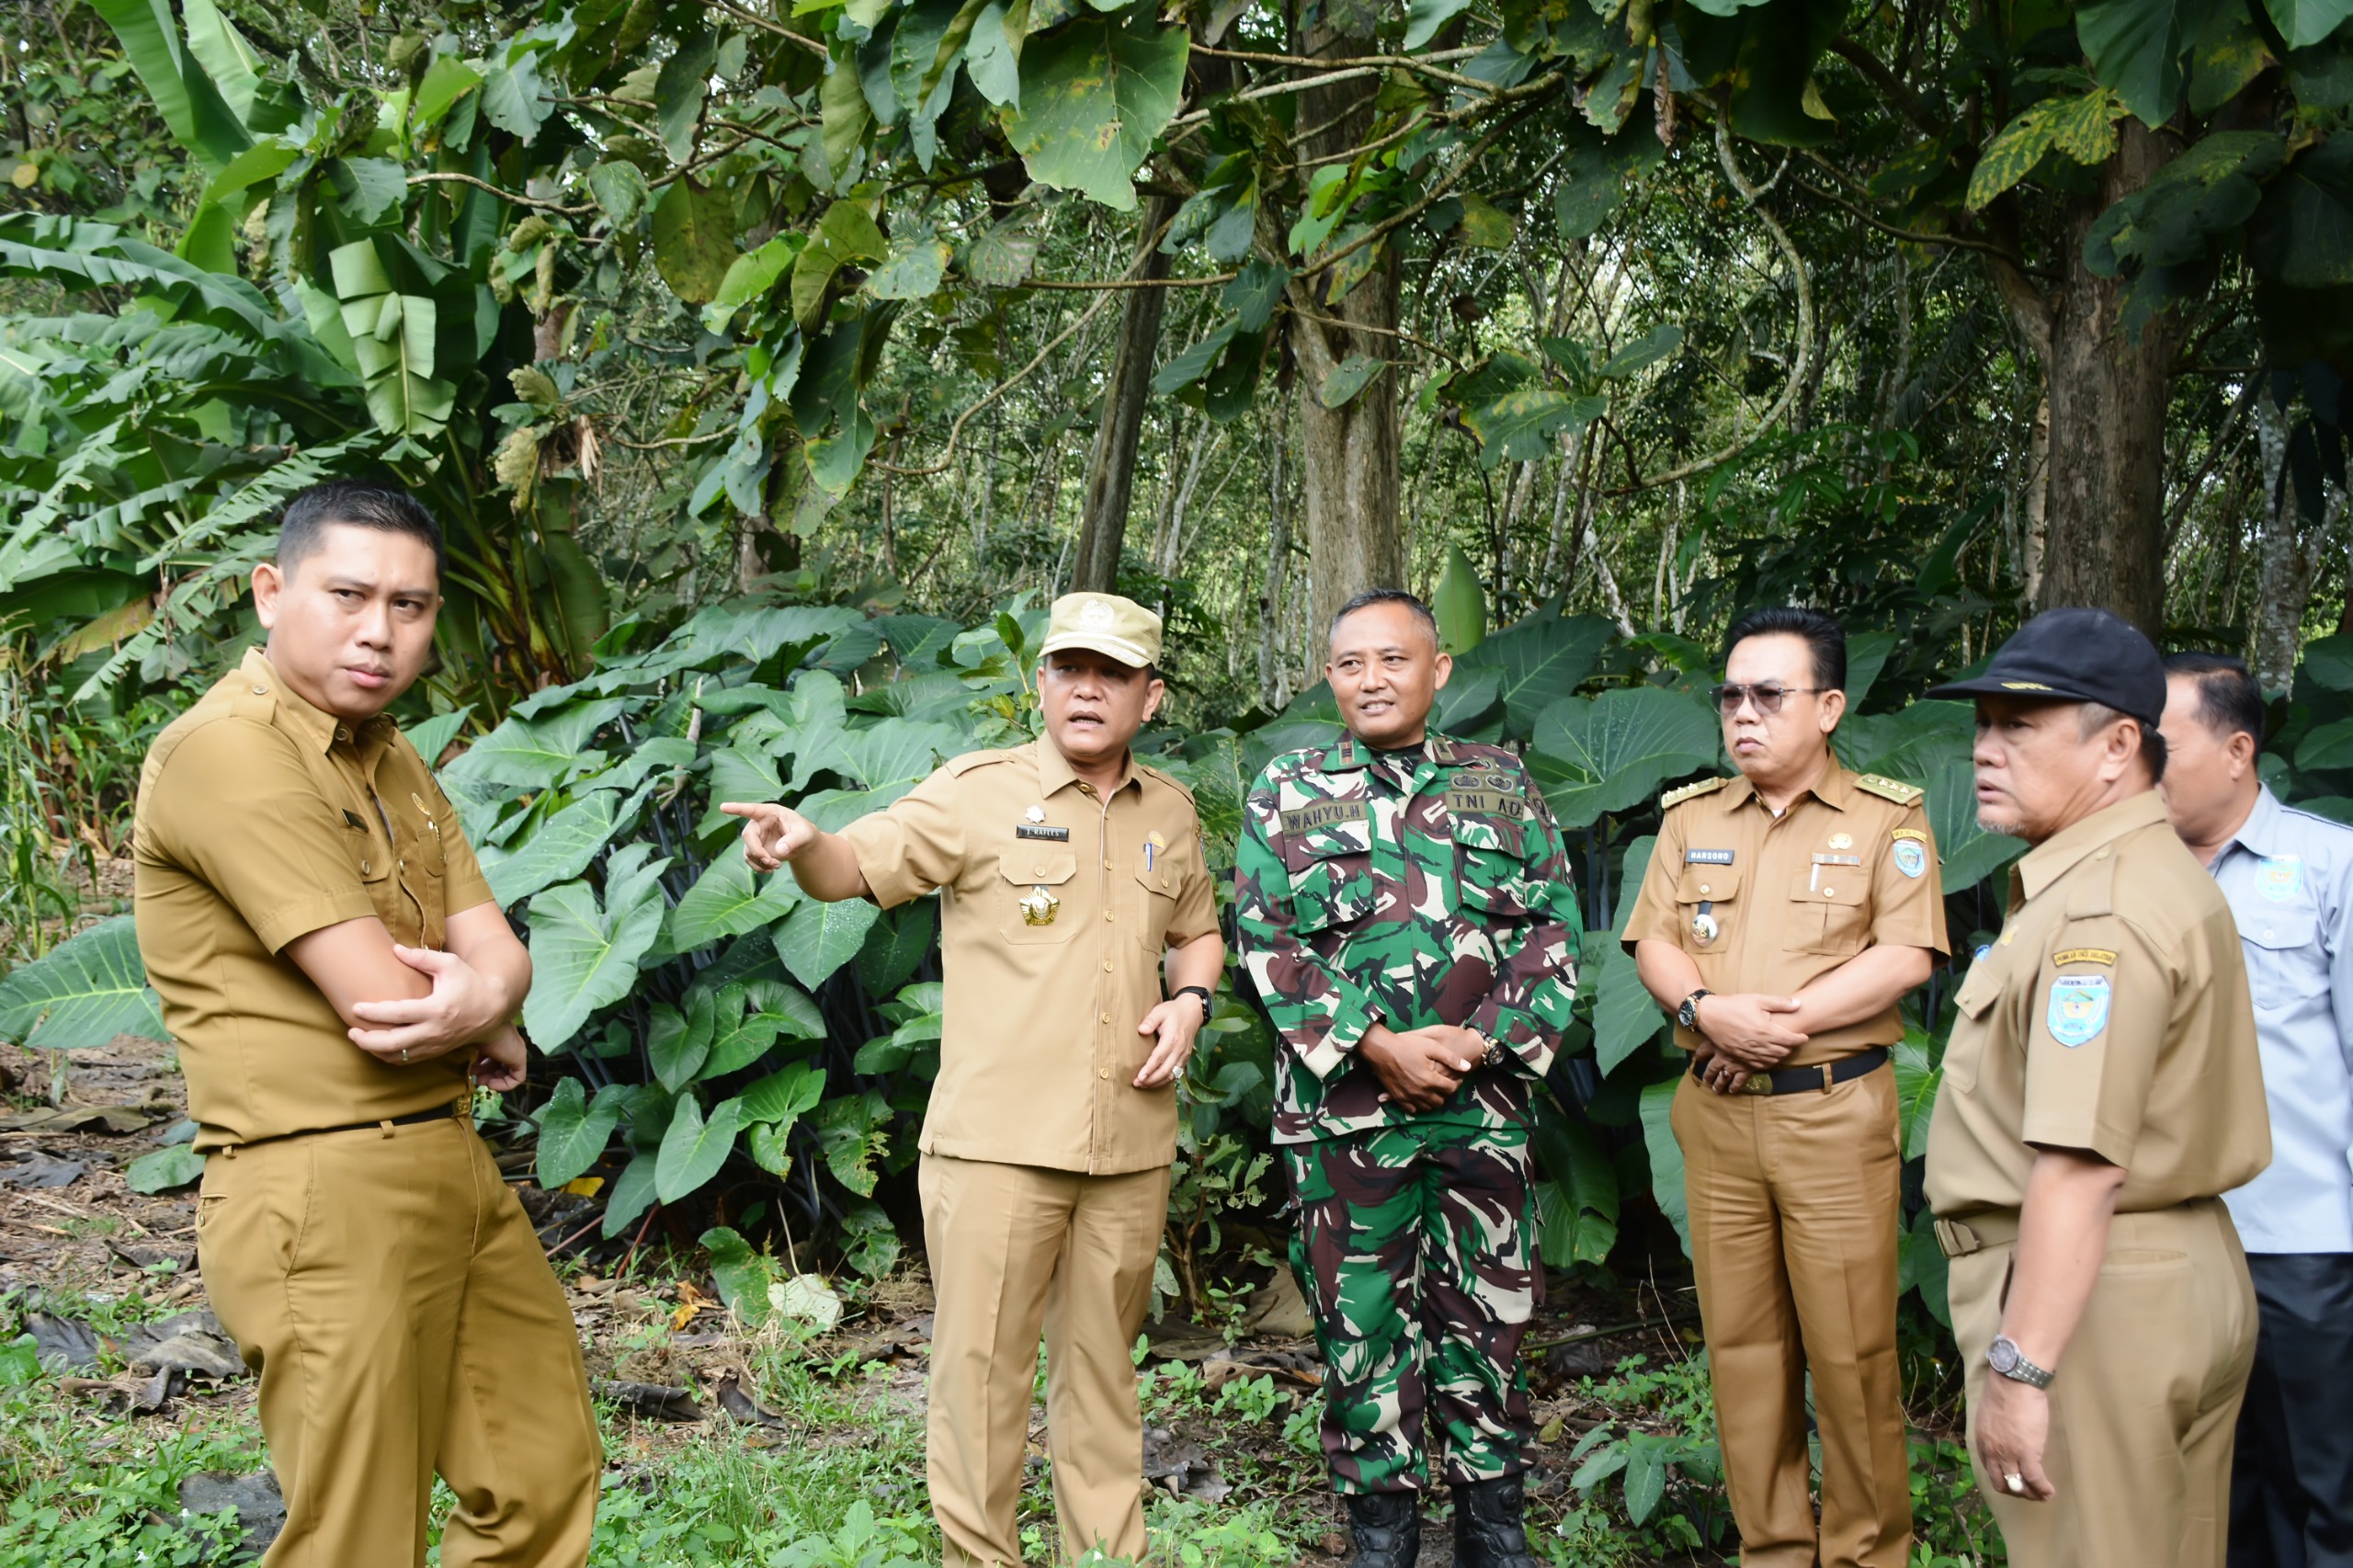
(404, 1054)
(2015, 1482)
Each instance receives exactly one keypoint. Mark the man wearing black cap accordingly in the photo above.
(2101, 1091)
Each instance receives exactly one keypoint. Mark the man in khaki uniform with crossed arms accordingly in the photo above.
(1784, 914)
(1066, 870)
(2102, 1088)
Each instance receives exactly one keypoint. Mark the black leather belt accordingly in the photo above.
(1819, 1079)
(444, 1113)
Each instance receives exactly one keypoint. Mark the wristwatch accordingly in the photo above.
(2005, 1357)
(1687, 1014)
(1200, 991)
(1495, 1057)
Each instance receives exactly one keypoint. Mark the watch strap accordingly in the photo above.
(1203, 993)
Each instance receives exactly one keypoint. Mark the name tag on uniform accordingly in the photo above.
(1484, 804)
(1032, 830)
(1707, 856)
(1323, 813)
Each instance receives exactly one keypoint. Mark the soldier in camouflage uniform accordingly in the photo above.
(1404, 906)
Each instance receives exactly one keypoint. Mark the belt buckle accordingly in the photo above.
(1758, 1084)
(1957, 1240)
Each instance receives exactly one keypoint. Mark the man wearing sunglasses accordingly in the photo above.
(1784, 914)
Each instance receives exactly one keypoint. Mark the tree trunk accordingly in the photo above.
(1348, 455)
(2104, 521)
(1111, 467)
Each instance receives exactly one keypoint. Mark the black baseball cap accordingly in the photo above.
(2075, 655)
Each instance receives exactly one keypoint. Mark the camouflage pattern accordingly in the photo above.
(1423, 887)
(1413, 1250)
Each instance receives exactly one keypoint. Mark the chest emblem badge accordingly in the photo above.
(1911, 857)
(1040, 907)
(1842, 841)
(2280, 877)
(1035, 814)
(1704, 927)
(2078, 1008)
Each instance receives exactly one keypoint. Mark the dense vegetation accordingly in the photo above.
(771, 367)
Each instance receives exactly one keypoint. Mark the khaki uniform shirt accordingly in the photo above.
(2112, 1017)
(1056, 905)
(1850, 865)
(261, 819)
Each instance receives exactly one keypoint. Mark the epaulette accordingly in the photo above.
(960, 765)
(1894, 790)
(1676, 796)
(1166, 779)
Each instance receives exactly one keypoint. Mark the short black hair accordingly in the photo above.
(2093, 717)
(1372, 596)
(1825, 638)
(2228, 699)
(359, 503)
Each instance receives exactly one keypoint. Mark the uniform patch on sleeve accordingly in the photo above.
(1481, 803)
(2066, 956)
(1911, 857)
(1321, 814)
(2078, 1008)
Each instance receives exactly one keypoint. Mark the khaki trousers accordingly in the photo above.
(1013, 1249)
(2146, 1403)
(1794, 1204)
(388, 1290)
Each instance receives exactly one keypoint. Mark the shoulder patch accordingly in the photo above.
(1894, 790)
(960, 765)
(1676, 797)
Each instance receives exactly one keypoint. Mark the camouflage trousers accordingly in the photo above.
(1413, 1249)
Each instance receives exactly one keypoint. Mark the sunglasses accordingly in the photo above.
(1767, 696)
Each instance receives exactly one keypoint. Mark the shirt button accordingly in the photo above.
(261, 691)
(341, 733)
(1102, 1071)
(1703, 887)
(1108, 915)
(1107, 1017)
(1107, 865)
(1107, 969)
(1827, 892)
(1041, 871)
(2267, 937)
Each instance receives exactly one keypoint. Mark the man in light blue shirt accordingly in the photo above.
(2289, 876)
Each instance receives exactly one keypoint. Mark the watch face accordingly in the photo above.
(2002, 1357)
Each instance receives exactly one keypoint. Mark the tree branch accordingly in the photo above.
(518, 199)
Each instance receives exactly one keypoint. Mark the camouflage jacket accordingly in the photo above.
(1364, 894)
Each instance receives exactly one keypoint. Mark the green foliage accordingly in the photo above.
(87, 990)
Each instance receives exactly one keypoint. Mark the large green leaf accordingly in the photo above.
(1915, 1093)
(83, 992)
(574, 1129)
(729, 900)
(164, 1170)
(2306, 22)
(1540, 660)
(693, 1149)
(1626, 1017)
(558, 851)
(2302, 234)
(2135, 47)
(1606, 754)
(1576, 1201)
(694, 239)
(741, 1033)
(531, 753)
(1094, 94)
(818, 938)
(785, 1095)
(1460, 604)
(584, 952)
(182, 90)
(632, 1192)
(678, 1042)
(1519, 425)
(1666, 1157)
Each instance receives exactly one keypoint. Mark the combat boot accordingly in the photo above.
(1388, 1528)
(1489, 1528)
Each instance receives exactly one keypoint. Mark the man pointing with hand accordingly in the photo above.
(1066, 872)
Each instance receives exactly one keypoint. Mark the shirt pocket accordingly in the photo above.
(1490, 871)
(2285, 961)
(374, 865)
(1707, 898)
(1331, 875)
(1160, 877)
(1834, 915)
(1975, 998)
(1035, 904)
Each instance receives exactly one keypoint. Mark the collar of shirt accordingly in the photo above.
(2260, 835)
(2058, 854)
(1054, 771)
(315, 727)
(1347, 753)
(1834, 789)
